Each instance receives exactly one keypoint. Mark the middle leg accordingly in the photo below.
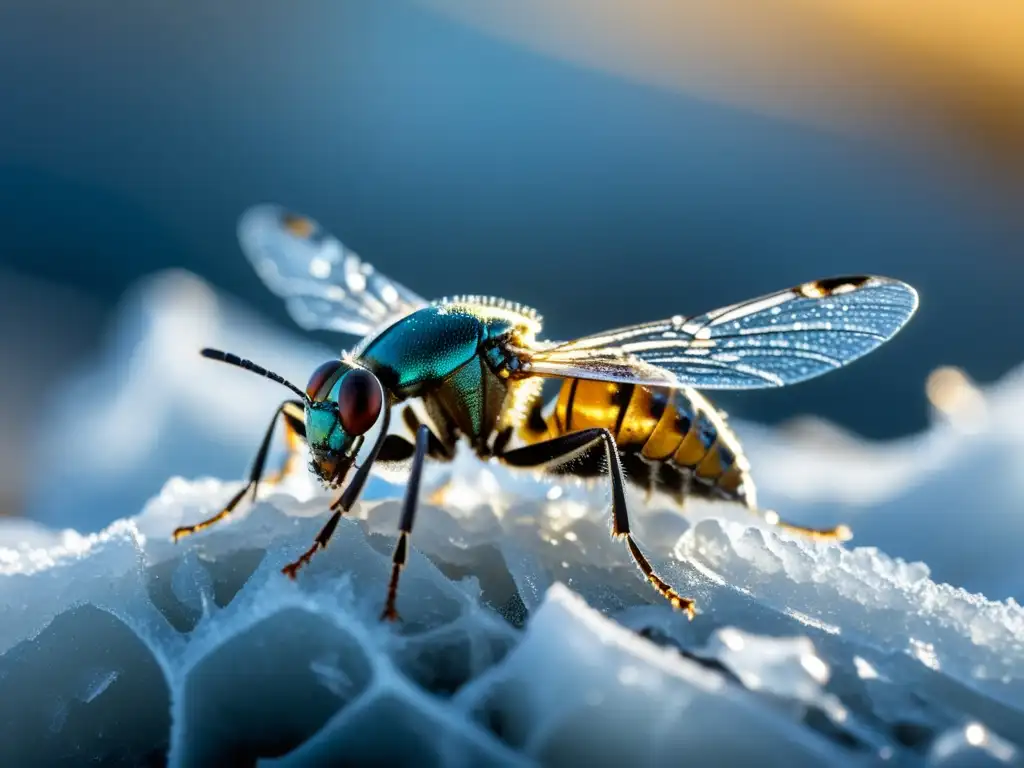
(405, 523)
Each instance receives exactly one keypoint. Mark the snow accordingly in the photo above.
(528, 636)
(971, 745)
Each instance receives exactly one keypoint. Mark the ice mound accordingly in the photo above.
(528, 637)
(122, 646)
(952, 496)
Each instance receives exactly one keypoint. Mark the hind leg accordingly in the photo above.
(739, 487)
(559, 450)
(840, 532)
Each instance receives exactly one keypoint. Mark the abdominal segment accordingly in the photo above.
(670, 440)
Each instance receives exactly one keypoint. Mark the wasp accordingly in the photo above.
(628, 407)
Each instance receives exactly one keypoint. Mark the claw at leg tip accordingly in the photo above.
(684, 605)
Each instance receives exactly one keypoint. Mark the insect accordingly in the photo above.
(628, 406)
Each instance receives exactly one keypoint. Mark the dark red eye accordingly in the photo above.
(322, 378)
(359, 401)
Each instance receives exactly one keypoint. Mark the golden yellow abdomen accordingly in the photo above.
(678, 432)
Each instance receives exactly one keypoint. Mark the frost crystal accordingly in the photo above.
(810, 653)
(529, 638)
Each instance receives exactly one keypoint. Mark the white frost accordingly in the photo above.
(529, 637)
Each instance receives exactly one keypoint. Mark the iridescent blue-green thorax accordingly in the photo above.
(432, 343)
(451, 354)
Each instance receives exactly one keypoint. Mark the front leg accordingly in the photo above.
(345, 501)
(292, 411)
(557, 451)
(294, 439)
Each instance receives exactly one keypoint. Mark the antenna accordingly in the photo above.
(249, 365)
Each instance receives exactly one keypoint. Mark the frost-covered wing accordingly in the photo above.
(771, 341)
(325, 285)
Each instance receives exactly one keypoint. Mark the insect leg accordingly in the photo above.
(559, 450)
(254, 476)
(294, 435)
(409, 503)
(838, 533)
(292, 569)
(435, 450)
(345, 501)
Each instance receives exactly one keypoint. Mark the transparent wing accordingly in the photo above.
(771, 341)
(325, 285)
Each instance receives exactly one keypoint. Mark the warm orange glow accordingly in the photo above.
(299, 226)
(888, 68)
(954, 395)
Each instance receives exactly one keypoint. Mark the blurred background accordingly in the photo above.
(605, 162)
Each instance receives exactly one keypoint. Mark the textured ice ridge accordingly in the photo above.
(121, 646)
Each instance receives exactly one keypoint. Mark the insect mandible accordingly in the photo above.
(628, 405)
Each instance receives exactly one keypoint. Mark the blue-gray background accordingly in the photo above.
(133, 134)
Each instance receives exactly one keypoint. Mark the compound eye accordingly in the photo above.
(318, 386)
(359, 401)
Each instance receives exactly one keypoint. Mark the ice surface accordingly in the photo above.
(528, 637)
(952, 497)
(810, 653)
(972, 745)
